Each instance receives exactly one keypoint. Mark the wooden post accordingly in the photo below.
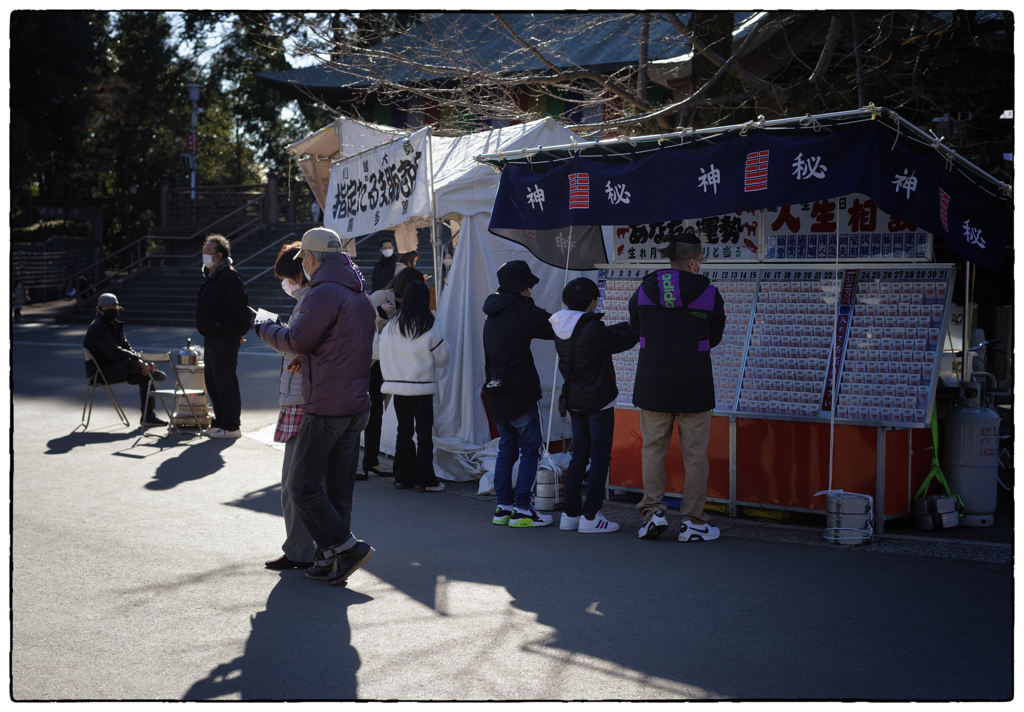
(272, 197)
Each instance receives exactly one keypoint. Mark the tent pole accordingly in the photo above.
(438, 287)
(965, 355)
(519, 153)
(554, 376)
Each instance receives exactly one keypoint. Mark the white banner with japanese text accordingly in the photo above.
(809, 231)
(381, 187)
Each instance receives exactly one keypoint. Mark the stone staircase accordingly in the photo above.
(166, 296)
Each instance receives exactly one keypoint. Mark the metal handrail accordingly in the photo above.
(166, 237)
(294, 234)
(225, 217)
(265, 248)
(126, 247)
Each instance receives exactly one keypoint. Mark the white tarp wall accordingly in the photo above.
(466, 188)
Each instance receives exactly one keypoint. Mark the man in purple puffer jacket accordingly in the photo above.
(332, 336)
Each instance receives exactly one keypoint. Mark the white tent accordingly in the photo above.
(464, 190)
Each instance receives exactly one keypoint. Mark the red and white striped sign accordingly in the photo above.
(756, 174)
(944, 208)
(579, 191)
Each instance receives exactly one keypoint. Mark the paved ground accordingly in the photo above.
(137, 574)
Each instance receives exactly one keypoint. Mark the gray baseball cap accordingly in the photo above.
(319, 239)
(106, 300)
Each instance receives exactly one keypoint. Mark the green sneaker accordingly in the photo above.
(531, 518)
(501, 515)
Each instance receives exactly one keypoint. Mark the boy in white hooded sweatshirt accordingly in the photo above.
(585, 347)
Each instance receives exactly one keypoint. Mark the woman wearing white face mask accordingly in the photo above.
(298, 545)
(384, 270)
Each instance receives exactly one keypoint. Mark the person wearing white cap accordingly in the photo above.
(223, 317)
(107, 343)
(332, 335)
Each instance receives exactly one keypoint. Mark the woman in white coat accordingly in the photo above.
(411, 347)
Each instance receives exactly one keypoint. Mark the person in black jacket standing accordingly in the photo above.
(107, 343)
(679, 316)
(223, 317)
(513, 389)
(384, 270)
(585, 347)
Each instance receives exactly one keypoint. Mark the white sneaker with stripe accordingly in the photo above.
(597, 525)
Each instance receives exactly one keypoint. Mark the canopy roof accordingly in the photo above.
(344, 137)
(709, 172)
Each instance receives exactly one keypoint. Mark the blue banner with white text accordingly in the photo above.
(761, 171)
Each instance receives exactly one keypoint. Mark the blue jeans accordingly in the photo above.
(591, 440)
(324, 475)
(522, 435)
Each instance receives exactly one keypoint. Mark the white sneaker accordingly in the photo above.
(222, 434)
(569, 524)
(654, 528)
(528, 519)
(688, 531)
(597, 525)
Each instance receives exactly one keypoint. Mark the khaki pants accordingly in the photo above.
(694, 434)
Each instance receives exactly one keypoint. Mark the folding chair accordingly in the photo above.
(90, 393)
(164, 357)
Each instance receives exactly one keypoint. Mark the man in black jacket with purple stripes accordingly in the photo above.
(679, 316)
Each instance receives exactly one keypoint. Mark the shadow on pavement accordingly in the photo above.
(194, 463)
(266, 500)
(67, 443)
(292, 653)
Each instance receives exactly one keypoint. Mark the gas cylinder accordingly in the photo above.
(971, 460)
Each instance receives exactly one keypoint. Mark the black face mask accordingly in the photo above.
(109, 316)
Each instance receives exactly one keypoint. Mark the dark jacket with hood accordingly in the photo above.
(592, 378)
(223, 305)
(108, 345)
(513, 321)
(679, 317)
(333, 332)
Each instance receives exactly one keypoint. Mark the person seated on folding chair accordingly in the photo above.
(107, 343)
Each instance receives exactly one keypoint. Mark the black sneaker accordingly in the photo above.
(150, 420)
(319, 572)
(349, 561)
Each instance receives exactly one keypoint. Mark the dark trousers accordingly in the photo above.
(221, 364)
(414, 462)
(591, 441)
(371, 436)
(324, 474)
(129, 371)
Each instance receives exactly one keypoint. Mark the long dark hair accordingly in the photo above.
(401, 281)
(414, 318)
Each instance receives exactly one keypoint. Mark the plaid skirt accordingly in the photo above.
(288, 423)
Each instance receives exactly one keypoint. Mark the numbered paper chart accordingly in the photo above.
(789, 343)
(884, 326)
(894, 345)
(617, 286)
(739, 290)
